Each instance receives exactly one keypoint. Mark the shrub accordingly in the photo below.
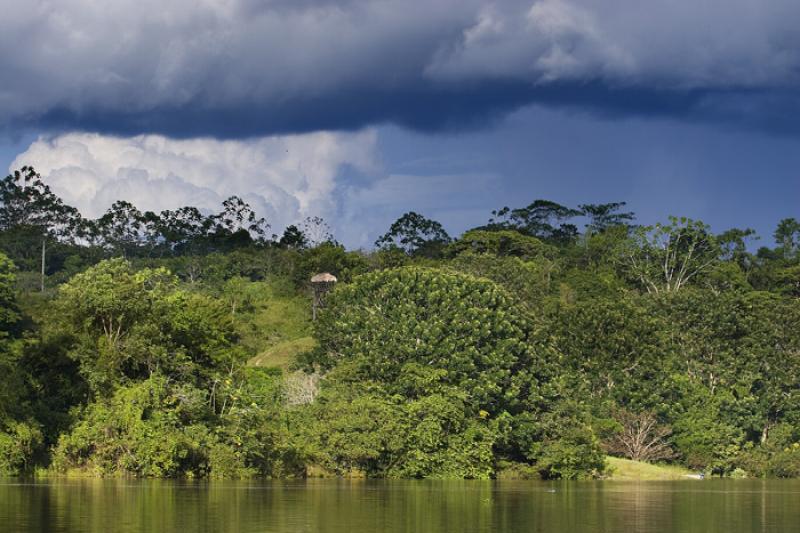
(381, 435)
(560, 442)
(17, 447)
(149, 429)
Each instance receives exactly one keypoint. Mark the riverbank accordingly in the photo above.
(627, 470)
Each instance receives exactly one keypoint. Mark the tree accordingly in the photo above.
(122, 229)
(735, 367)
(543, 219)
(184, 228)
(788, 281)
(316, 231)
(469, 327)
(238, 218)
(152, 429)
(415, 235)
(361, 430)
(294, 238)
(560, 441)
(665, 257)
(20, 434)
(733, 244)
(640, 437)
(501, 243)
(31, 209)
(787, 236)
(123, 325)
(604, 216)
(600, 251)
(734, 272)
(328, 257)
(529, 282)
(613, 349)
(27, 201)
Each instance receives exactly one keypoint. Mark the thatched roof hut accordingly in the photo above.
(324, 277)
(321, 283)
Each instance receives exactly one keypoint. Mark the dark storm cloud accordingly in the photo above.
(240, 68)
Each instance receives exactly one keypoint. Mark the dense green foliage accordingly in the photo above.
(180, 344)
(402, 325)
(450, 368)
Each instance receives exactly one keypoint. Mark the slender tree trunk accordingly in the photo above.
(44, 241)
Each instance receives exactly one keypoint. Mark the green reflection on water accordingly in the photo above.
(334, 506)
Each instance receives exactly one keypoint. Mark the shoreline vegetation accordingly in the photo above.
(616, 469)
(549, 342)
(619, 469)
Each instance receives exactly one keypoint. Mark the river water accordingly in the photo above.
(358, 506)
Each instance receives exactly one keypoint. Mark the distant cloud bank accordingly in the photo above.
(244, 68)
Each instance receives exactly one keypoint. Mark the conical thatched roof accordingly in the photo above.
(324, 277)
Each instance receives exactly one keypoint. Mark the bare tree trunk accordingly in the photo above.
(44, 241)
(765, 433)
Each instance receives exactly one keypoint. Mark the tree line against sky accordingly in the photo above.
(180, 344)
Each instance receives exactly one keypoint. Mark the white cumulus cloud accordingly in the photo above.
(284, 178)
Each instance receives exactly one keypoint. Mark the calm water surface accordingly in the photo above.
(334, 506)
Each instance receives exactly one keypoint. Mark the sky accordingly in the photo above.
(361, 110)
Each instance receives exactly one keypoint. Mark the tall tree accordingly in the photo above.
(124, 325)
(603, 216)
(20, 434)
(316, 231)
(543, 219)
(238, 217)
(733, 246)
(665, 257)
(122, 229)
(293, 237)
(29, 208)
(184, 228)
(415, 235)
(787, 236)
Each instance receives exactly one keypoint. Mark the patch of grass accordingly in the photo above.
(283, 354)
(273, 317)
(625, 469)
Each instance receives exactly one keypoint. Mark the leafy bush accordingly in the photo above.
(122, 324)
(17, 447)
(560, 442)
(150, 429)
(253, 431)
(785, 463)
(705, 442)
(376, 434)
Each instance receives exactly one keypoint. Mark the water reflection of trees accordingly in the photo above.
(360, 506)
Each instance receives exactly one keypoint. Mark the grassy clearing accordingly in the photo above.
(625, 469)
(283, 354)
(275, 316)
